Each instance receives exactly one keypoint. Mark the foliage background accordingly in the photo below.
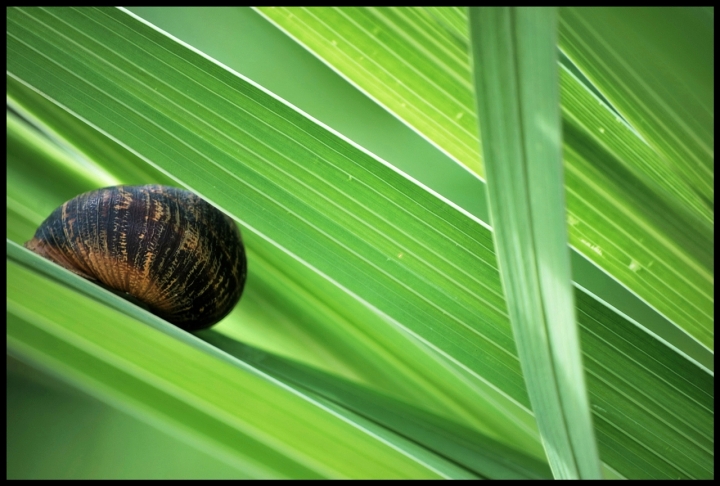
(46, 412)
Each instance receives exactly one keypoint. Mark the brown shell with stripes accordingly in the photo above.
(159, 246)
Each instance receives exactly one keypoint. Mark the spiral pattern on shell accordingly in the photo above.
(165, 247)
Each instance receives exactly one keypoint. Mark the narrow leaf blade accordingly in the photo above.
(518, 106)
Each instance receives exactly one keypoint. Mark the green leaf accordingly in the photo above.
(655, 67)
(403, 59)
(627, 224)
(640, 261)
(246, 418)
(517, 86)
(79, 140)
(454, 19)
(282, 176)
(317, 323)
(476, 452)
(349, 181)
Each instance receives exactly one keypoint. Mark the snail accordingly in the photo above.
(159, 246)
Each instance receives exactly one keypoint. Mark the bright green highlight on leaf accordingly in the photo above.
(400, 57)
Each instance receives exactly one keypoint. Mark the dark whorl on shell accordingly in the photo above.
(162, 246)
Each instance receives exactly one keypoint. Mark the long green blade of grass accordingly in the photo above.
(517, 90)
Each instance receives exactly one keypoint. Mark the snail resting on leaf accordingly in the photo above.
(159, 246)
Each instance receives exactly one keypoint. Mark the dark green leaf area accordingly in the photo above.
(659, 408)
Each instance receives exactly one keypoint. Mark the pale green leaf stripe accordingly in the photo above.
(518, 94)
(665, 237)
(454, 19)
(655, 66)
(156, 139)
(266, 427)
(416, 32)
(357, 40)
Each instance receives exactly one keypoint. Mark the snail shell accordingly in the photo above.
(164, 247)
